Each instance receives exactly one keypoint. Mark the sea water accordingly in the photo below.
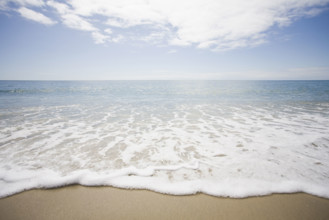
(223, 138)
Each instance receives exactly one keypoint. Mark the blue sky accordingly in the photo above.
(194, 39)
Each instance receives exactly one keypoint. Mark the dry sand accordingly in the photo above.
(78, 202)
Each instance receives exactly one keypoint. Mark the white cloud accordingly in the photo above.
(213, 24)
(60, 7)
(76, 22)
(6, 4)
(70, 18)
(117, 38)
(178, 42)
(99, 38)
(108, 31)
(37, 3)
(35, 16)
(154, 37)
(117, 23)
(315, 11)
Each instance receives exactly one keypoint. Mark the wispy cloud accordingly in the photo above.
(72, 20)
(76, 22)
(206, 24)
(99, 37)
(37, 3)
(35, 16)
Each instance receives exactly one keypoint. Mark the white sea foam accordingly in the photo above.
(234, 150)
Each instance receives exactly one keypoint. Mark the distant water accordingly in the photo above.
(224, 138)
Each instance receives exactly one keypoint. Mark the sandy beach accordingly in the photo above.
(79, 202)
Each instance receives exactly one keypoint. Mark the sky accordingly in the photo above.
(164, 40)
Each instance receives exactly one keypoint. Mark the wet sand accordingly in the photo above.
(78, 202)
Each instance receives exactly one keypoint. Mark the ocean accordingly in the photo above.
(223, 138)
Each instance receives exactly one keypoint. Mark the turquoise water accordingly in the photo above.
(52, 92)
(224, 138)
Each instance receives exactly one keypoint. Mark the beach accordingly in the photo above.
(204, 142)
(79, 202)
(164, 109)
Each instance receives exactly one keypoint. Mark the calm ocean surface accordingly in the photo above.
(224, 138)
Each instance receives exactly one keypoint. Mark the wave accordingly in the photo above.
(234, 150)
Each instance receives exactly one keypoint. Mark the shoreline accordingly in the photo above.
(81, 202)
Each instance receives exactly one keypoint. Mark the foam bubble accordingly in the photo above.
(234, 150)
